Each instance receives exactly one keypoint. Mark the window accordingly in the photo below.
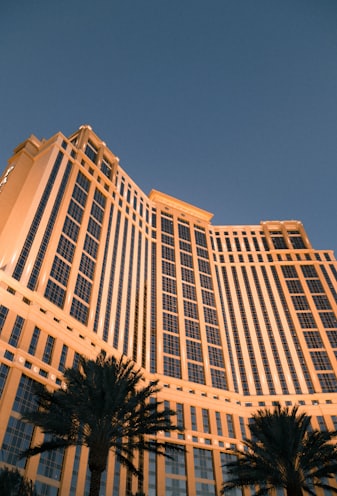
(190, 309)
(16, 331)
(91, 246)
(79, 195)
(189, 292)
(192, 329)
(320, 360)
(170, 322)
(289, 272)
(75, 211)
(193, 349)
(315, 286)
(297, 242)
(196, 373)
(203, 464)
(3, 315)
(172, 367)
(71, 229)
(34, 341)
(83, 288)
(167, 225)
(294, 286)
(279, 243)
(168, 253)
(321, 302)
(205, 420)
(184, 232)
(215, 357)
(66, 248)
(79, 311)
(309, 271)
(94, 228)
(55, 293)
(169, 285)
(169, 303)
(60, 271)
(48, 350)
(306, 320)
(300, 302)
(213, 335)
(91, 151)
(328, 319)
(313, 339)
(87, 266)
(230, 425)
(204, 266)
(171, 344)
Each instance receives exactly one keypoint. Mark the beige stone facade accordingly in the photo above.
(229, 318)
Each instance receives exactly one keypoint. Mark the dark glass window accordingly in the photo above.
(172, 367)
(34, 341)
(16, 331)
(279, 243)
(167, 225)
(60, 271)
(94, 228)
(91, 151)
(97, 212)
(170, 322)
(328, 319)
(307, 320)
(294, 286)
(321, 302)
(171, 344)
(297, 242)
(3, 315)
(313, 339)
(309, 271)
(91, 246)
(213, 335)
(48, 350)
(75, 211)
(184, 232)
(83, 288)
(196, 373)
(79, 195)
(79, 311)
(216, 357)
(315, 286)
(200, 238)
(193, 349)
(289, 271)
(55, 293)
(192, 329)
(300, 302)
(71, 229)
(66, 249)
(87, 266)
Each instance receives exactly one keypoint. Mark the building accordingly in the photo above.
(229, 318)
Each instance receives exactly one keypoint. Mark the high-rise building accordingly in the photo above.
(230, 319)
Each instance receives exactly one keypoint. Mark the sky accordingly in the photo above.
(230, 105)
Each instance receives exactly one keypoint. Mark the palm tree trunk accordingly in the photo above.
(294, 491)
(95, 482)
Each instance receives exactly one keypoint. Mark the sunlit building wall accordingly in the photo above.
(229, 318)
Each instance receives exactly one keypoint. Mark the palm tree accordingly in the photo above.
(104, 406)
(12, 483)
(283, 452)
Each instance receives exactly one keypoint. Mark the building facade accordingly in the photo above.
(230, 319)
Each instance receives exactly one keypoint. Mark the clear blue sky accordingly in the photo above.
(230, 105)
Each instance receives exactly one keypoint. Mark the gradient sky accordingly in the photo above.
(230, 105)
